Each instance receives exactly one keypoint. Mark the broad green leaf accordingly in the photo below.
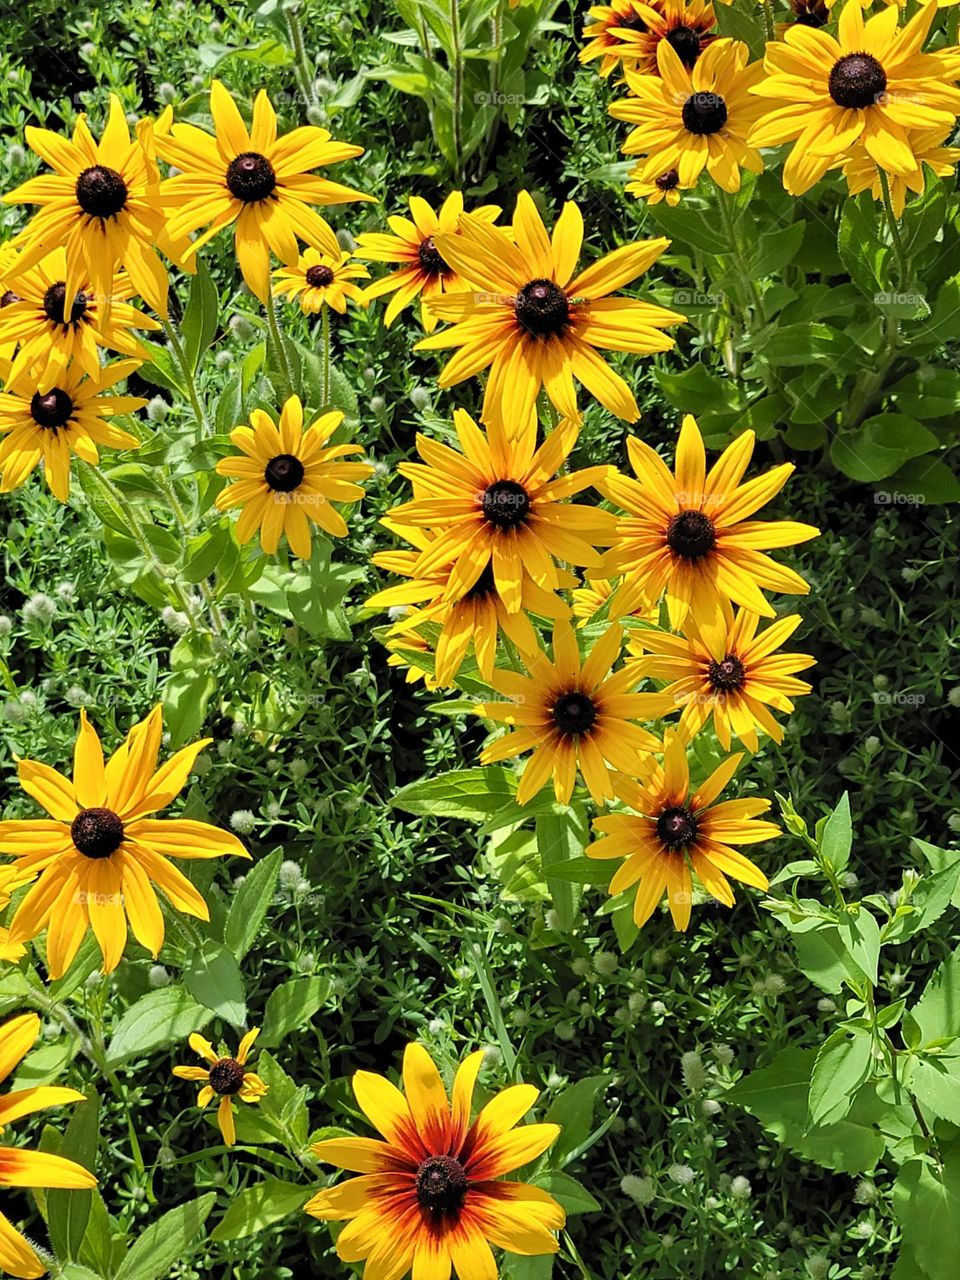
(574, 1197)
(926, 1200)
(860, 934)
(68, 1211)
(186, 696)
(881, 446)
(561, 836)
(573, 1111)
(158, 1019)
(199, 325)
(925, 480)
(843, 1064)
(250, 905)
(168, 1240)
(823, 955)
(937, 1012)
(214, 980)
(291, 1006)
(935, 1082)
(836, 839)
(257, 1207)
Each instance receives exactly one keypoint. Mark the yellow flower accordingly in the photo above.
(424, 272)
(694, 120)
(101, 205)
(671, 833)
(287, 477)
(320, 279)
(33, 320)
(20, 1168)
(224, 1078)
(40, 421)
(862, 173)
(590, 597)
(613, 32)
(689, 535)
(736, 689)
(96, 855)
(573, 715)
(432, 1195)
(474, 620)
(501, 502)
(259, 181)
(665, 186)
(10, 951)
(535, 323)
(870, 84)
(686, 25)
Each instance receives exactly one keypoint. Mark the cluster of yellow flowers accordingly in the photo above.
(867, 100)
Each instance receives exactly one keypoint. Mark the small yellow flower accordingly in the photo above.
(320, 279)
(224, 1078)
(665, 186)
(288, 477)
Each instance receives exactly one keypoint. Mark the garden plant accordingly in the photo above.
(478, 677)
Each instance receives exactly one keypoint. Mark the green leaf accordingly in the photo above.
(935, 1082)
(937, 1012)
(291, 1006)
(836, 838)
(167, 1241)
(778, 1096)
(822, 954)
(573, 1111)
(199, 325)
(574, 1197)
(257, 1207)
(156, 1020)
(214, 979)
(843, 1064)
(881, 446)
(860, 934)
(250, 905)
(186, 696)
(68, 1211)
(924, 480)
(927, 1203)
(485, 795)
(561, 836)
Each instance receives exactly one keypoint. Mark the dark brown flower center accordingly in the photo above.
(574, 712)
(251, 177)
(9, 298)
(506, 504)
(96, 833)
(685, 43)
(727, 675)
(691, 535)
(810, 13)
(283, 473)
(484, 585)
(632, 23)
(319, 276)
(542, 308)
(667, 181)
(52, 409)
(857, 80)
(676, 827)
(431, 259)
(704, 113)
(101, 192)
(53, 304)
(226, 1076)
(441, 1185)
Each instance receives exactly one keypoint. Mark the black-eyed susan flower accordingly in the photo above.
(287, 478)
(11, 952)
(737, 690)
(590, 597)
(225, 1078)
(862, 173)
(611, 33)
(432, 1194)
(101, 205)
(33, 320)
(51, 422)
(501, 501)
(671, 833)
(94, 861)
(869, 84)
(400, 648)
(665, 186)
(690, 536)
(20, 1168)
(691, 120)
(318, 280)
(573, 716)
(686, 25)
(474, 621)
(535, 323)
(259, 181)
(424, 272)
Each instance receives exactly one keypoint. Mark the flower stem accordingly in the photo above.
(903, 265)
(276, 338)
(189, 381)
(325, 337)
(300, 53)
(767, 9)
(457, 89)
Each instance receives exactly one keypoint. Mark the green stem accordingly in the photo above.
(100, 1049)
(767, 8)
(727, 203)
(276, 338)
(903, 265)
(188, 379)
(457, 89)
(217, 621)
(300, 53)
(325, 339)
